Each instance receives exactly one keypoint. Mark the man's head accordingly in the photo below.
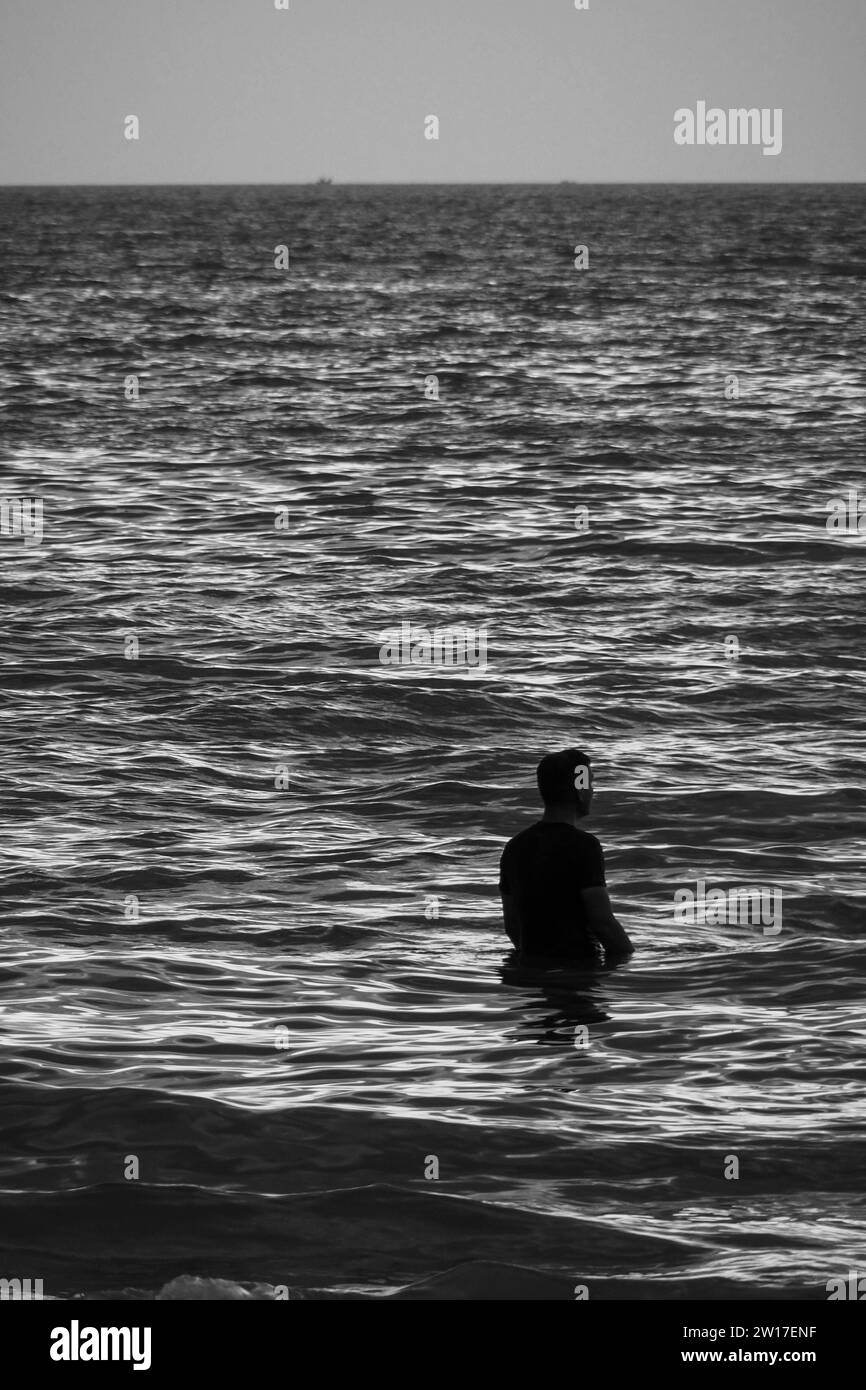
(565, 781)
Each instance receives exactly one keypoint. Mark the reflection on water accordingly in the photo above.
(568, 997)
(229, 971)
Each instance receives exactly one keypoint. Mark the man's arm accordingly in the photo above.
(510, 917)
(602, 924)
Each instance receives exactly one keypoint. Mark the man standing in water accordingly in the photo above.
(551, 875)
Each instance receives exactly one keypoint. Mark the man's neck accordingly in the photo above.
(560, 815)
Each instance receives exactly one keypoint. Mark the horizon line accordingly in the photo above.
(458, 183)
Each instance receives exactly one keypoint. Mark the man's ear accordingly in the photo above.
(582, 778)
(583, 788)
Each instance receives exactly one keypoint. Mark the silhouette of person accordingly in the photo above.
(551, 876)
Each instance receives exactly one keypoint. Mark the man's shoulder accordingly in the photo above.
(522, 837)
(585, 839)
(579, 844)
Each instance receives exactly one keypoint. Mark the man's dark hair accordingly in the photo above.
(557, 773)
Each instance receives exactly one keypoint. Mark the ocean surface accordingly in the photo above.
(255, 991)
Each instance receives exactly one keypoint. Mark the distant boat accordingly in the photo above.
(323, 181)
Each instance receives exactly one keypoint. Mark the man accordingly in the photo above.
(551, 876)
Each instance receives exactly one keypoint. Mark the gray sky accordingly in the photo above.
(235, 91)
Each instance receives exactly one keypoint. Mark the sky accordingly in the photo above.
(525, 91)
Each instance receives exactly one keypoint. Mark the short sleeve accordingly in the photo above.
(591, 864)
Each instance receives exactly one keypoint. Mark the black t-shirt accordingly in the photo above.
(543, 870)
